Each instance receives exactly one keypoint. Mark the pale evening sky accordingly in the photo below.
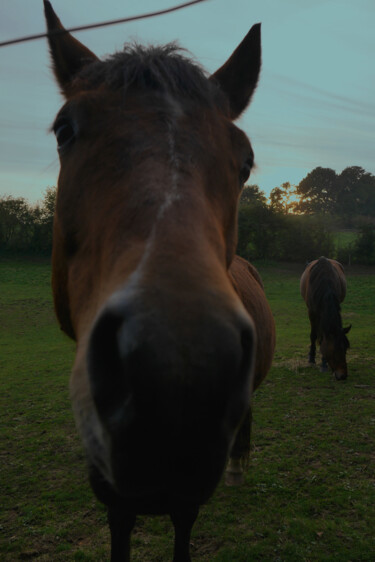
(314, 106)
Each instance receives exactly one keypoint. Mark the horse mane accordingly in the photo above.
(323, 297)
(161, 68)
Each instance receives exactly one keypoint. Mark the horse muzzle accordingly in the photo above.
(340, 375)
(170, 382)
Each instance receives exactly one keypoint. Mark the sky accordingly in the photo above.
(314, 105)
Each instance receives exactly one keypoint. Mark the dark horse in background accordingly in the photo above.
(173, 331)
(323, 287)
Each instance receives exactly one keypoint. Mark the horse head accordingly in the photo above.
(333, 349)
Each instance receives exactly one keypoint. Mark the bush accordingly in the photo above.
(364, 247)
(258, 226)
(267, 234)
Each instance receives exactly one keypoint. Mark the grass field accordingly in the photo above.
(310, 486)
(345, 238)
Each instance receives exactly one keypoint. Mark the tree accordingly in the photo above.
(16, 223)
(317, 192)
(252, 194)
(364, 247)
(49, 203)
(257, 229)
(281, 198)
(355, 193)
(27, 228)
(43, 222)
(303, 238)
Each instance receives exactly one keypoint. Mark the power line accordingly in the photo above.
(100, 24)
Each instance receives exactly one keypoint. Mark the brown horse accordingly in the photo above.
(323, 287)
(173, 332)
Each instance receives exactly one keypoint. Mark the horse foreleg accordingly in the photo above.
(183, 520)
(121, 525)
(324, 366)
(239, 455)
(313, 336)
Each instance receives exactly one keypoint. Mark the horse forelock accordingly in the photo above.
(163, 69)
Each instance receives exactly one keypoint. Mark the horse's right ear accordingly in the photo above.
(68, 54)
(238, 77)
(347, 330)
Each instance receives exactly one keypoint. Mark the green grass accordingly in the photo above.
(309, 493)
(344, 238)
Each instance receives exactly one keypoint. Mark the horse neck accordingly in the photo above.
(330, 316)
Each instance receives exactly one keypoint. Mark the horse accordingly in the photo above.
(323, 288)
(173, 331)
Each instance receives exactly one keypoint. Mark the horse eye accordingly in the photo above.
(245, 170)
(64, 133)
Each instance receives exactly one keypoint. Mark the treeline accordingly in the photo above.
(349, 196)
(265, 233)
(278, 230)
(296, 223)
(299, 222)
(25, 228)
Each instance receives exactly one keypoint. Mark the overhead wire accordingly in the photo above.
(128, 19)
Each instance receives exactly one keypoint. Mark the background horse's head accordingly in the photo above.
(333, 347)
(145, 229)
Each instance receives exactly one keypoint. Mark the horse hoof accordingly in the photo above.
(234, 473)
(234, 479)
(324, 369)
(311, 360)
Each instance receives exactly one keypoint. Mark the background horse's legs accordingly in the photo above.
(324, 366)
(313, 336)
(121, 524)
(239, 455)
(183, 520)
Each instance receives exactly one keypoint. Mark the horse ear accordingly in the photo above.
(238, 77)
(347, 330)
(68, 54)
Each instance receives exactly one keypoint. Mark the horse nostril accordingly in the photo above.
(108, 382)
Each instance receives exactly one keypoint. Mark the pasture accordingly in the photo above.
(310, 485)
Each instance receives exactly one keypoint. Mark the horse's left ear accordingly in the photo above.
(347, 330)
(68, 54)
(238, 77)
